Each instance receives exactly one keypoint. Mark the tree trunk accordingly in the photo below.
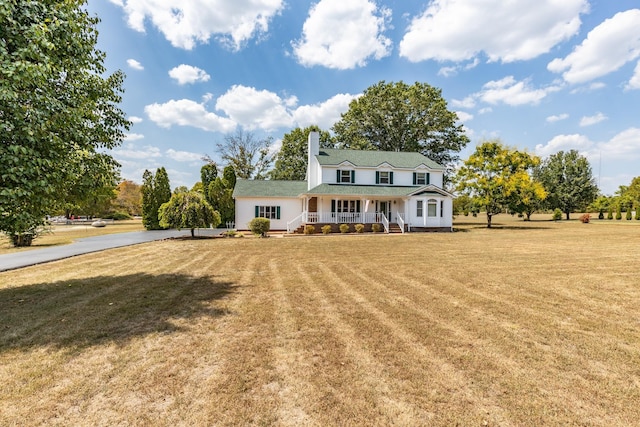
(568, 213)
(528, 216)
(489, 220)
(192, 235)
(21, 240)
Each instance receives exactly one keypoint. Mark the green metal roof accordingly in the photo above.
(363, 190)
(263, 188)
(362, 158)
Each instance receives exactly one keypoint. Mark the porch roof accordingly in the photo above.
(264, 188)
(363, 190)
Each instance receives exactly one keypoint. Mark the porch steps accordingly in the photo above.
(394, 228)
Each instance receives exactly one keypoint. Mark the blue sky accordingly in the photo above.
(541, 75)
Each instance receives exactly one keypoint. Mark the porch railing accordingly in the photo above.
(295, 223)
(385, 223)
(342, 217)
(400, 217)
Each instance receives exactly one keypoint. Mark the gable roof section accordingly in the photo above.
(362, 158)
(432, 190)
(263, 188)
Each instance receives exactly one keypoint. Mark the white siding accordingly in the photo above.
(289, 209)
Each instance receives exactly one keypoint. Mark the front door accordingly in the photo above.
(385, 208)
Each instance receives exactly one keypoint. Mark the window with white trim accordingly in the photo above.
(384, 177)
(419, 209)
(421, 178)
(271, 212)
(432, 207)
(346, 176)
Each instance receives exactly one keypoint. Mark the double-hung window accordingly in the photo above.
(384, 177)
(346, 176)
(432, 207)
(271, 212)
(419, 209)
(420, 178)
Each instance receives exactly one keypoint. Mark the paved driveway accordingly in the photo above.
(91, 244)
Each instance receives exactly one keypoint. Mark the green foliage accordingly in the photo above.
(359, 228)
(260, 226)
(610, 212)
(291, 161)
(618, 212)
(326, 229)
(188, 210)
(567, 178)
(628, 215)
(399, 117)
(117, 216)
(58, 113)
(309, 229)
(128, 198)
(557, 214)
(344, 228)
(155, 192)
(208, 173)
(249, 157)
(221, 196)
(496, 177)
(375, 227)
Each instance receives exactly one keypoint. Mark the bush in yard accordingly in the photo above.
(610, 213)
(260, 226)
(117, 216)
(628, 217)
(376, 227)
(326, 229)
(585, 218)
(557, 214)
(359, 228)
(619, 213)
(344, 228)
(309, 229)
(638, 213)
(601, 214)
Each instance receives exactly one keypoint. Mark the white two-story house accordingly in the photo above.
(398, 190)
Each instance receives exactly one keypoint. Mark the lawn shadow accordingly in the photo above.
(92, 311)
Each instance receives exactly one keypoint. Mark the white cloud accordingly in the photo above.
(183, 156)
(129, 151)
(564, 143)
(133, 136)
(457, 30)
(448, 71)
(607, 48)
(623, 146)
(464, 117)
(468, 102)
(592, 120)
(185, 112)
(325, 114)
(343, 34)
(185, 23)
(557, 118)
(135, 119)
(254, 108)
(188, 74)
(485, 110)
(634, 83)
(512, 92)
(135, 64)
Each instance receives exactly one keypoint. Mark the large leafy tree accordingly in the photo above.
(188, 209)
(57, 109)
(250, 157)
(291, 161)
(567, 178)
(220, 193)
(399, 117)
(128, 198)
(156, 190)
(496, 177)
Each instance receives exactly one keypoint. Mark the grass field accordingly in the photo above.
(65, 234)
(527, 324)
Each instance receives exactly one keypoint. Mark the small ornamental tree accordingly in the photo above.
(188, 210)
(610, 212)
(618, 212)
(628, 217)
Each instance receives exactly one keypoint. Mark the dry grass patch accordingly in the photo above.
(512, 326)
(65, 234)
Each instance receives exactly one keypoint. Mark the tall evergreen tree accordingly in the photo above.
(156, 190)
